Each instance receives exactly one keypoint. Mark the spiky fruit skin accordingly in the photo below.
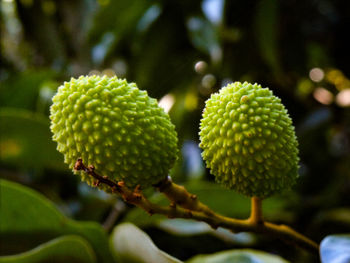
(248, 140)
(115, 127)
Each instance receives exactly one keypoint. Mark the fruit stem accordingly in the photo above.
(256, 216)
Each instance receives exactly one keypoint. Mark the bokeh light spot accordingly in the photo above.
(108, 72)
(9, 149)
(208, 81)
(323, 96)
(167, 102)
(316, 74)
(305, 87)
(200, 67)
(120, 67)
(94, 72)
(191, 101)
(343, 98)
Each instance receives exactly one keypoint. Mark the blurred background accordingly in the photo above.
(181, 52)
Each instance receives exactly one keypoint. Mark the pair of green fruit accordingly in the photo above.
(247, 137)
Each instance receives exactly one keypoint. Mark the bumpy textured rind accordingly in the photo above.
(114, 126)
(248, 140)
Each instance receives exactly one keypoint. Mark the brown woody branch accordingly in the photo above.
(192, 208)
(180, 196)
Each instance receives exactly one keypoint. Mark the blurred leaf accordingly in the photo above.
(340, 215)
(46, 92)
(185, 227)
(21, 90)
(213, 10)
(131, 245)
(221, 200)
(238, 255)
(25, 140)
(317, 55)
(28, 216)
(162, 58)
(181, 226)
(149, 17)
(266, 28)
(204, 36)
(62, 249)
(48, 42)
(335, 249)
(100, 51)
(119, 17)
(92, 200)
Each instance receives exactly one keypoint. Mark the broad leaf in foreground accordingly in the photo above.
(238, 255)
(29, 219)
(131, 245)
(63, 249)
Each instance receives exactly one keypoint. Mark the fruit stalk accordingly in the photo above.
(256, 216)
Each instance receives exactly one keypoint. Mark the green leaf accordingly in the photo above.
(131, 245)
(46, 92)
(25, 140)
(119, 19)
(63, 249)
(238, 255)
(160, 55)
(28, 216)
(335, 216)
(335, 249)
(221, 200)
(266, 23)
(204, 36)
(21, 90)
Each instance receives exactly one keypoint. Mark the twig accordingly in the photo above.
(192, 208)
(113, 215)
(180, 196)
(100, 179)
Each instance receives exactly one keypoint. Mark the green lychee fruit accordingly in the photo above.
(248, 140)
(115, 127)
